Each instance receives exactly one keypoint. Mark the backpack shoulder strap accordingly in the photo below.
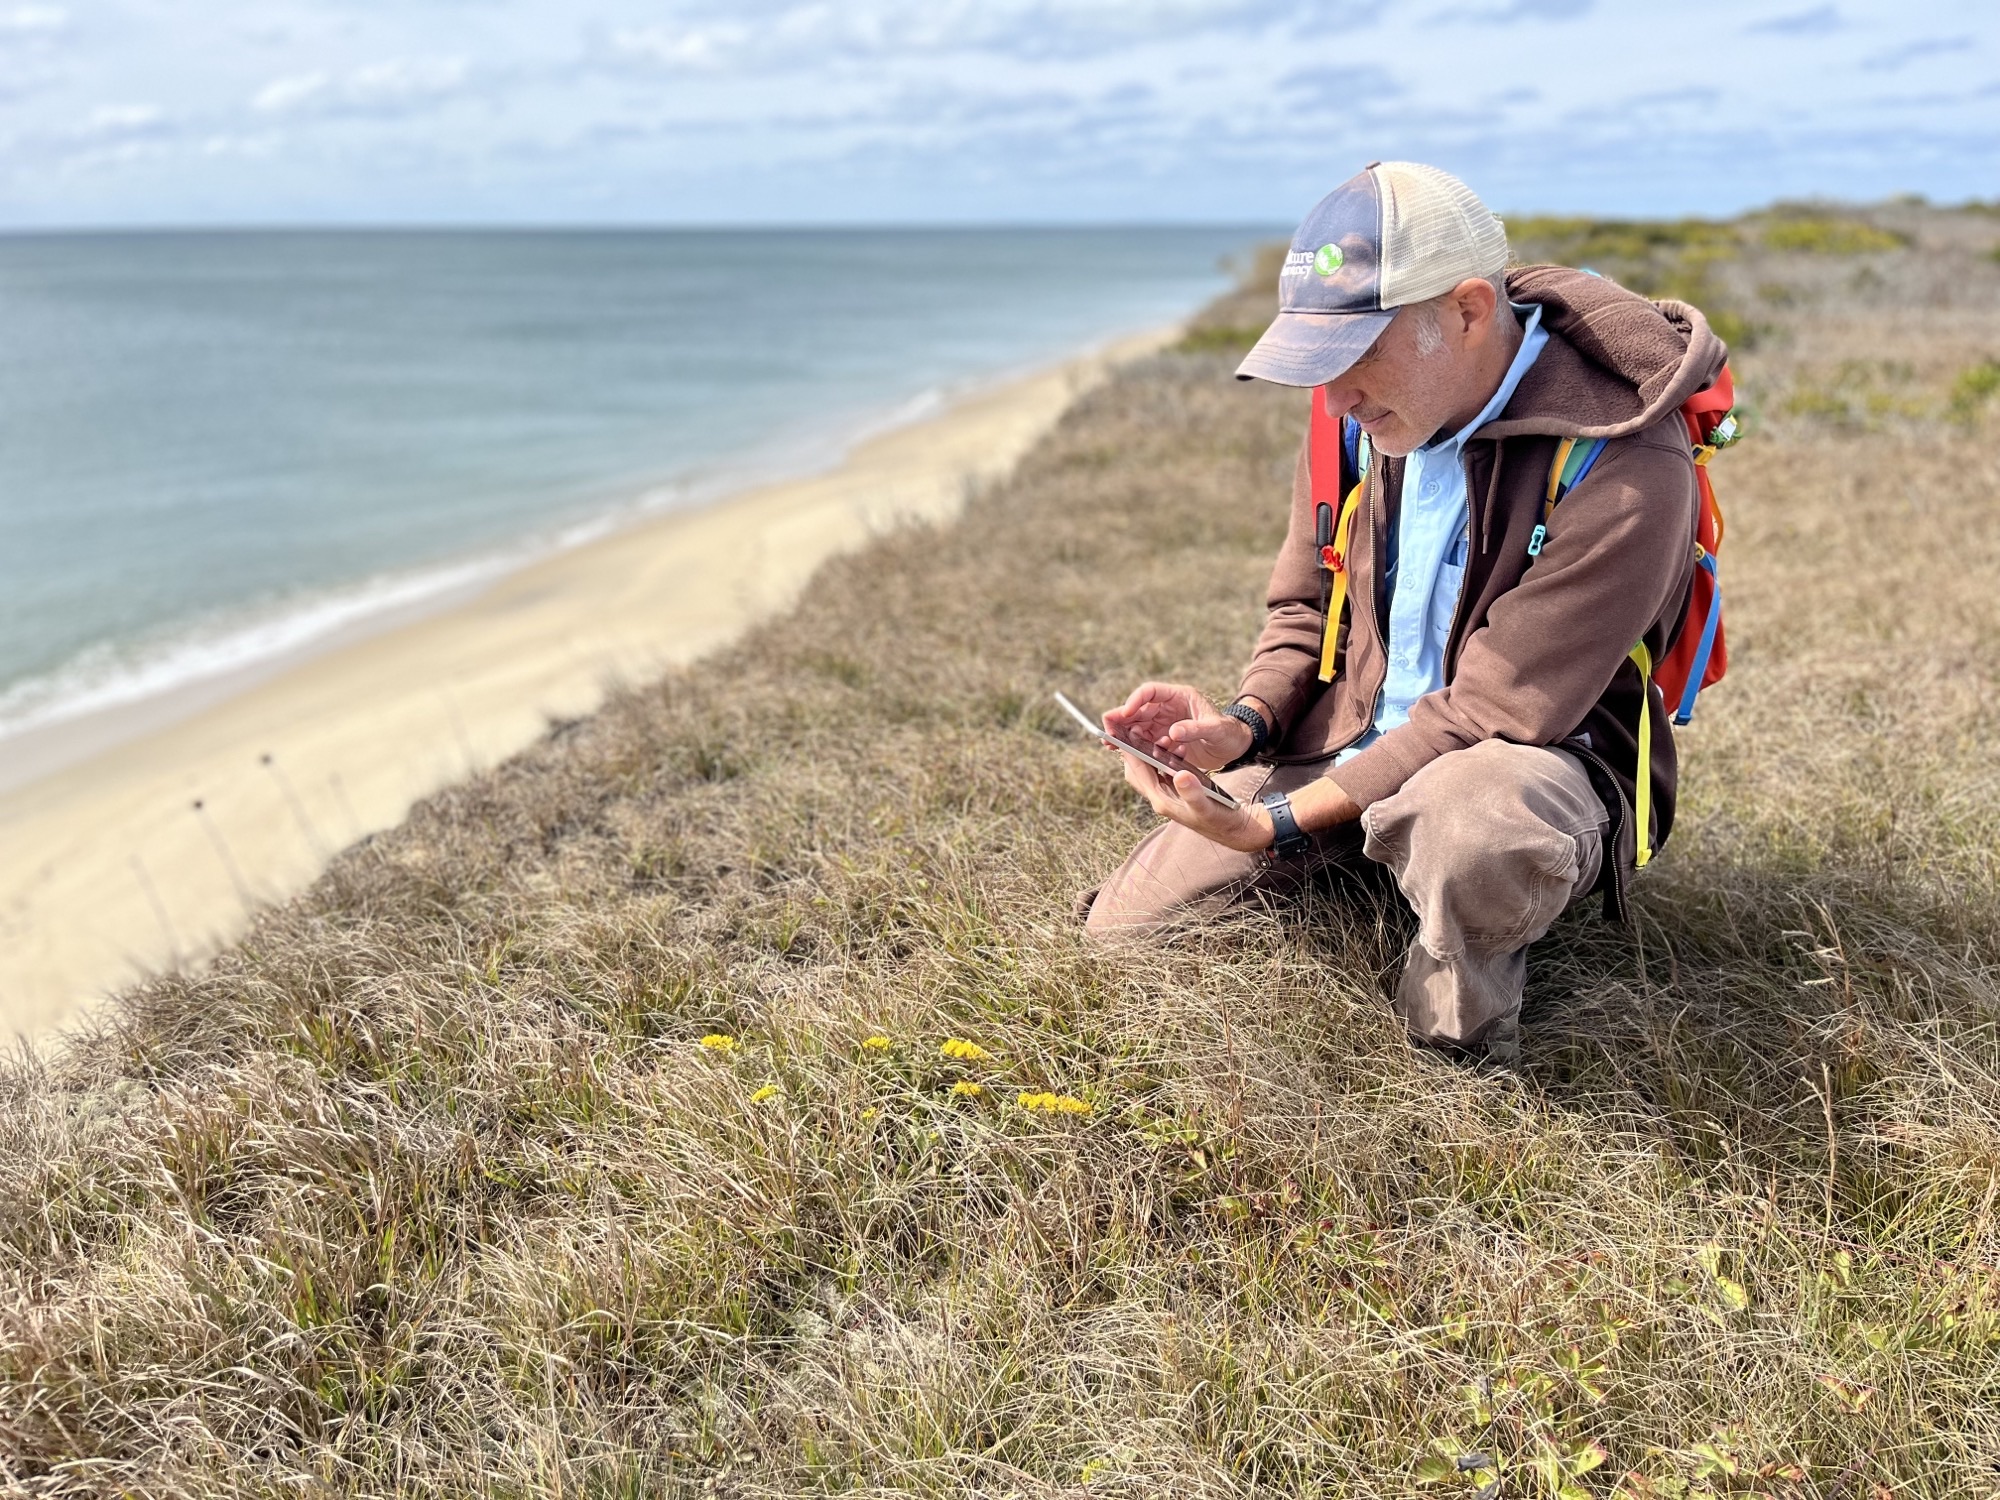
(1575, 457)
(1337, 457)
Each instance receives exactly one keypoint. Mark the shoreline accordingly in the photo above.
(179, 816)
(43, 747)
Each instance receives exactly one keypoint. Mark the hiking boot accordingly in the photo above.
(1499, 1045)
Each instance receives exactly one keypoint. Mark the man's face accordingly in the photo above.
(1400, 396)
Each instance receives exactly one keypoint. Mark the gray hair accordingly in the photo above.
(1429, 331)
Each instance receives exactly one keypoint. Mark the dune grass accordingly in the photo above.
(719, 1098)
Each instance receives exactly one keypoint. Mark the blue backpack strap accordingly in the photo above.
(1581, 459)
(1575, 458)
(1350, 444)
(1696, 672)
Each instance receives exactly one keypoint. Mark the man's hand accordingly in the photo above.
(1246, 827)
(1316, 806)
(1185, 726)
(1184, 723)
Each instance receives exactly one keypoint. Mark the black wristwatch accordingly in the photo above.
(1260, 732)
(1288, 840)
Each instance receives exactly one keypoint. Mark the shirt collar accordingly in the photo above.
(1532, 339)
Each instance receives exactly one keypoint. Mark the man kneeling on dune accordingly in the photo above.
(1472, 722)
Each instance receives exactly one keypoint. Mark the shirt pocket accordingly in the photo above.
(1444, 601)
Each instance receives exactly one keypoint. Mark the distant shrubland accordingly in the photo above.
(1735, 270)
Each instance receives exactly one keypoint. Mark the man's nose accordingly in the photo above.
(1340, 399)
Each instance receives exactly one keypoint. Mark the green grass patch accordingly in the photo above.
(1973, 389)
(1662, 258)
(1864, 395)
(1575, 241)
(1830, 234)
(1220, 338)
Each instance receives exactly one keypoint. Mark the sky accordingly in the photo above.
(213, 112)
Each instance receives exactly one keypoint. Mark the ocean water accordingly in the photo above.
(215, 448)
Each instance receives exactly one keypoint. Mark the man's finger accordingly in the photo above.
(1144, 780)
(1141, 696)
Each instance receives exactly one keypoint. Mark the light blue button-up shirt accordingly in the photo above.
(1427, 552)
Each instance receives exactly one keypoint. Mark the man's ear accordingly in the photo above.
(1474, 302)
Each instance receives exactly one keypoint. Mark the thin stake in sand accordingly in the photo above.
(319, 845)
(159, 912)
(222, 853)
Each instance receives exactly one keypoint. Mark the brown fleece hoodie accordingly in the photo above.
(1538, 651)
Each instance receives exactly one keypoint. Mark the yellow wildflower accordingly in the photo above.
(1051, 1104)
(965, 1051)
(877, 1043)
(966, 1090)
(869, 1114)
(768, 1091)
(718, 1042)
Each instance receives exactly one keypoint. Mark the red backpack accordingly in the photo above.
(1337, 459)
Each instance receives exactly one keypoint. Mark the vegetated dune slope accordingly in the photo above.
(433, 1186)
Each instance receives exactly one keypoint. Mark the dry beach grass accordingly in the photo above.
(433, 1187)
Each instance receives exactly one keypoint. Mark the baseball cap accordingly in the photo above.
(1394, 233)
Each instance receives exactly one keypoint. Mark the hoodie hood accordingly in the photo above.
(1615, 363)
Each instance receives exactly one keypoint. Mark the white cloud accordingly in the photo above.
(249, 147)
(33, 20)
(681, 46)
(122, 122)
(401, 79)
(382, 88)
(282, 94)
(762, 37)
(872, 109)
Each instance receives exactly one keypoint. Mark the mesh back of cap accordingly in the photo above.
(1435, 233)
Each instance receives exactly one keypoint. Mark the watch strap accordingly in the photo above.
(1260, 731)
(1288, 840)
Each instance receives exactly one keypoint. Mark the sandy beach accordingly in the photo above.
(147, 842)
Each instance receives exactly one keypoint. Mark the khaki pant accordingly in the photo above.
(1487, 844)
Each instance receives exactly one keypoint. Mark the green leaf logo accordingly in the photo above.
(1328, 260)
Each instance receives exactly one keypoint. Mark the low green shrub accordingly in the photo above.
(1219, 338)
(1973, 388)
(1574, 241)
(1830, 234)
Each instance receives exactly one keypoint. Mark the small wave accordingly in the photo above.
(926, 403)
(115, 674)
(111, 675)
(106, 676)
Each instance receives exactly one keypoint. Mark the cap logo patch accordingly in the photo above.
(1328, 260)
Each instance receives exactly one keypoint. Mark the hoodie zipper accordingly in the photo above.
(1477, 520)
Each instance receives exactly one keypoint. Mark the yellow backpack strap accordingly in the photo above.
(1555, 486)
(1333, 557)
(1643, 792)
